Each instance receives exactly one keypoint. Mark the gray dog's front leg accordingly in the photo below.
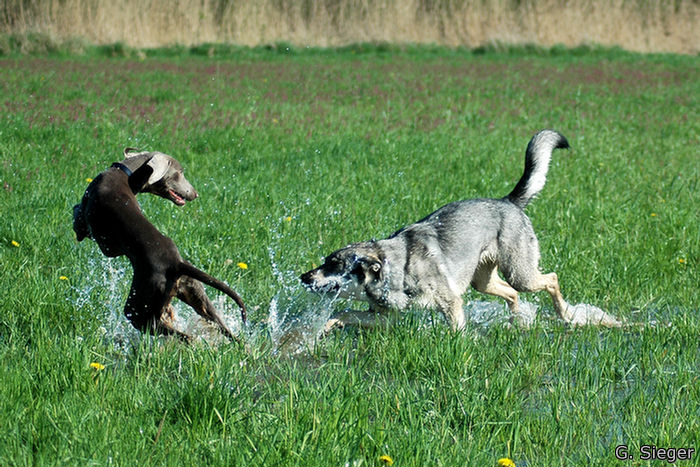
(369, 319)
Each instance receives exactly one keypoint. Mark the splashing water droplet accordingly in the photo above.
(296, 317)
(104, 297)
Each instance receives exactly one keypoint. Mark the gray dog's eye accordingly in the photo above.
(358, 271)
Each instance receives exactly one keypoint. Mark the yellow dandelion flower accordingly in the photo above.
(681, 260)
(653, 214)
(288, 218)
(386, 460)
(63, 278)
(242, 265)
(505, 462)
(89, 180)
(97, 366)
(14, 243)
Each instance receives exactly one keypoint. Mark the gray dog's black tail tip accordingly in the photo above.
(563, 143)
(537, 157)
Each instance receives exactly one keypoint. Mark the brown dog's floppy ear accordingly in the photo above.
(160, 163)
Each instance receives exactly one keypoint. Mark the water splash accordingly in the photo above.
(296, 317)
(104, 294)
(486, 313)
(103, 297)
(495, 313)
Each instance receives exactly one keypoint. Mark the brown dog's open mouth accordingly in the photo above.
(175, 198)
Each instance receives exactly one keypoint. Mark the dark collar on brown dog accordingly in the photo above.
(123, 168)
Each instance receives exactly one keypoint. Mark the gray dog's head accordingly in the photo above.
(350, 272)
(159, 174)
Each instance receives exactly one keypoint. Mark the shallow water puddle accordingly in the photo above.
(296, 317)
(489, 313)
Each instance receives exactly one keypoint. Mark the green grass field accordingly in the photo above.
(296, 154)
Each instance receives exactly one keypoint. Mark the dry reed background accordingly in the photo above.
(638, 25)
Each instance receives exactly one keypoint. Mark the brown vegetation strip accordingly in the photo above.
(639, 25)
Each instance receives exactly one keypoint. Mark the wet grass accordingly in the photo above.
(295, 155)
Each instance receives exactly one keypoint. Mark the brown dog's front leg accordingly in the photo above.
(148, 306)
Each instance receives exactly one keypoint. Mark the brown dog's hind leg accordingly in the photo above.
(166, 325)
(192, 292)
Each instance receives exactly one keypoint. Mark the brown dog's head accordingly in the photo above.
(159, 174)
(347, 273)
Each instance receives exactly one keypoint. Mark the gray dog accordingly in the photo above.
(110, 215)
(432, 263)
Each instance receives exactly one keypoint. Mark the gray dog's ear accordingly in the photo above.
(369, 263)
(131, 152)
(160, 163)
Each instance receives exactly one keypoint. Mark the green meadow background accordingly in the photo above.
(296, 152)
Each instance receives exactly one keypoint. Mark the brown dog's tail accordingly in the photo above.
(186, 269)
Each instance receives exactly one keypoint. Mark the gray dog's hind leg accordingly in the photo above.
(520, 267)
(550, 283)
(487, 280)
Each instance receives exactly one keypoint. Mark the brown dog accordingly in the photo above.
(110, 215)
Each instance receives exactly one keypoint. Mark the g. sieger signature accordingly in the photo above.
(648, 452)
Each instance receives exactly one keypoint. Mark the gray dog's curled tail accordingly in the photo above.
(537, 157)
